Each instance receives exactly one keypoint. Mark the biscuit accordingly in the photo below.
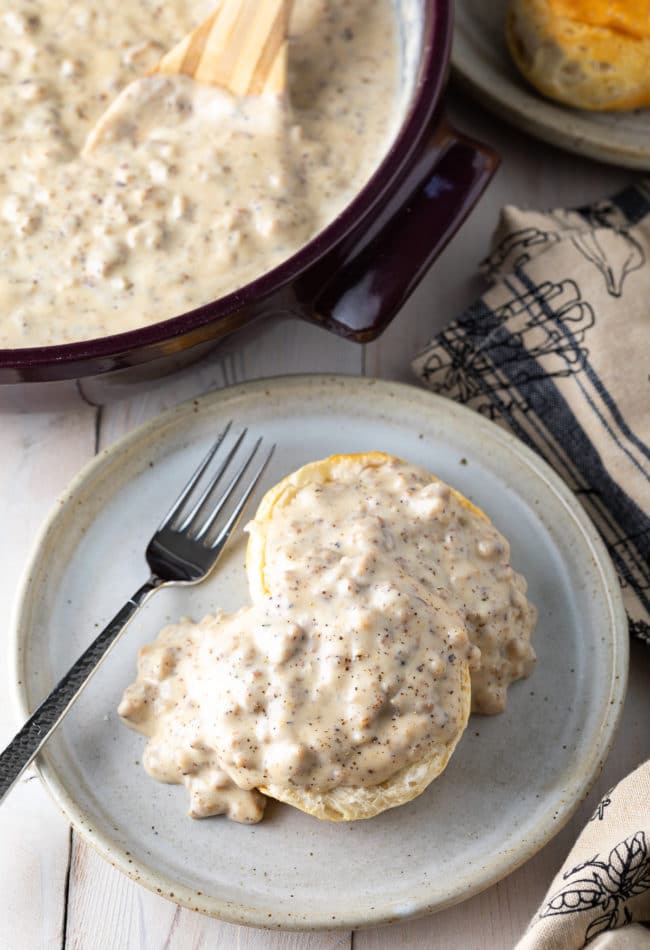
(345, 803)
(276, 546)
(590, 55)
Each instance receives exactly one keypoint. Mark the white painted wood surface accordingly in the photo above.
(57, 893)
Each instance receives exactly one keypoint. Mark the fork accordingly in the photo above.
(183, 551)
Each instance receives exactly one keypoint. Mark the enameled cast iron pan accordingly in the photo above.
(352, 278)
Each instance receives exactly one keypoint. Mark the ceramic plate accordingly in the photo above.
(511, 784)
(481, 61)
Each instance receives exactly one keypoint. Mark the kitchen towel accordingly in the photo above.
(604, 884)
(558, 350)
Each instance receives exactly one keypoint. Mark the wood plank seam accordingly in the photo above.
(66, 892)
(99, 415)
(83, 396)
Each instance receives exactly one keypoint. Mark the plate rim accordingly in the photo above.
(244, 914)
(548, 120)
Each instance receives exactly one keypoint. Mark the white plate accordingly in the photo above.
(514, 779)
(481, 60)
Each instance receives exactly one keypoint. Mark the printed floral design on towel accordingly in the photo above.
(604, 240)
(461, 370)
(628, 575)
(639, 629)
(557, 321)
(605, 885)
(604, 803)
(614, 252)
(607, 243)
(516, 250)
(466, 372)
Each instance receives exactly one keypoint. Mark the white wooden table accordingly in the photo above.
(56, 892)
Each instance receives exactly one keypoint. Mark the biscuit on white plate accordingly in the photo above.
(589, 54)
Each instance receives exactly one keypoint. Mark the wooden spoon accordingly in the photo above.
(241, 46)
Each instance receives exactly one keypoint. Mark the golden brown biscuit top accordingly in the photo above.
(631, 17)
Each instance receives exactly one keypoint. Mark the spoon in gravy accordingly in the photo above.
(241, 46)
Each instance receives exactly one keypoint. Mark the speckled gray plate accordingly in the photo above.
(514, 779)
(481, 60)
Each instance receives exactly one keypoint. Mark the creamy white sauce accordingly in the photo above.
(189, 193)
(355, 663)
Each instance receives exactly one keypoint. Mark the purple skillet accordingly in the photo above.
(352, 278)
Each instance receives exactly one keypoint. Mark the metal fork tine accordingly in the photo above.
(224, 534)
(187, 491)
(189, 518)
(234, 481)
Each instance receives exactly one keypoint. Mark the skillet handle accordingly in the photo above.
(378, 276)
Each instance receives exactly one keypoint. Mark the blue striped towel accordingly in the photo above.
(558, 350)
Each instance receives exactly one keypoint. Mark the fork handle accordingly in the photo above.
(39, 727)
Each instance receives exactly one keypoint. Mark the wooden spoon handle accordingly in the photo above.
(241, 46)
